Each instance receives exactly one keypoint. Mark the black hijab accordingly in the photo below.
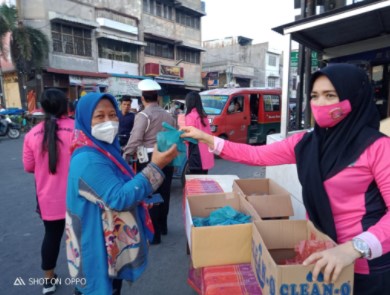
(324, 152)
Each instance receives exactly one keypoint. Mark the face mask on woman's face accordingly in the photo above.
(105, 131)
(329, 115)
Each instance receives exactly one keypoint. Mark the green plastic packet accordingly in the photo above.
(165, 139)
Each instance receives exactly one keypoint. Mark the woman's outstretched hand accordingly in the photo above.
(332, 261)
(190, 131)
(162, 159)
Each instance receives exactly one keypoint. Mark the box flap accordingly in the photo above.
(272, 206)
(203, 205)
(221, 245)
(289, 233)
(188, 223)
(258, 186)
(247, 208)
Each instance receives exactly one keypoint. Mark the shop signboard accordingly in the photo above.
(294, 58)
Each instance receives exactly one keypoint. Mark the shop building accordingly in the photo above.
(110, 45)
(173, 51)
(236, 62)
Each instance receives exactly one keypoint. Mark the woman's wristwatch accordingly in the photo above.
(362, 247)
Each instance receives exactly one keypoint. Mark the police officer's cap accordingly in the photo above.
(148, 85)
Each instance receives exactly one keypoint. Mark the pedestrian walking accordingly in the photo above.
(46, 154)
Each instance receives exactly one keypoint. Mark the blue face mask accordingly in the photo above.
(105, 131)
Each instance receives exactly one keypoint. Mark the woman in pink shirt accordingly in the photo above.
(46, 153)
(200, 160)
(344, 168)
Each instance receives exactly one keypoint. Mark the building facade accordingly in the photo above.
(236, 62)
(110, 45)
(172, 56)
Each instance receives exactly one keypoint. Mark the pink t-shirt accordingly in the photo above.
(50, 189)
(346, 190)
(207, 158)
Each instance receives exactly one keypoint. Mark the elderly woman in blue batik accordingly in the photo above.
(99, 181)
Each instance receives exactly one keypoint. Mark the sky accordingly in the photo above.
(249, 18)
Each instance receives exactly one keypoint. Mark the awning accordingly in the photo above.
(189, 10)
(244, 76)
(169, 81)
(77, 73)
(117, 26)
(101, 34)
(348, 30)
(160, 38)
(70, 19)
(183, 44)
(194, 86)
(128, 76)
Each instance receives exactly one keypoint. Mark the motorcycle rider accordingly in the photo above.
(4, 120)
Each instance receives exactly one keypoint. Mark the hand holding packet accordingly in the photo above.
(154, 199)
(165, 139)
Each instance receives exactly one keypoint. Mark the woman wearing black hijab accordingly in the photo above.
(344, 168)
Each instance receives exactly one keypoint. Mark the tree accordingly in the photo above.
(29, 47)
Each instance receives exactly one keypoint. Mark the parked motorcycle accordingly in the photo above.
(7, 127)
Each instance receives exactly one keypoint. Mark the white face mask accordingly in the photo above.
(105, 131)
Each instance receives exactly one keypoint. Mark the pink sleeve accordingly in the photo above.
(190, 120)
(28, 155)
(278, 153)
(378, 156)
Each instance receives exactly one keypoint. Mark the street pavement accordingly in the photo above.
(21, 232)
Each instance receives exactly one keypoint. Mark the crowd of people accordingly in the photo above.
(86, 187)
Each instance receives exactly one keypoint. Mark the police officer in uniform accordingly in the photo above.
(142, 140)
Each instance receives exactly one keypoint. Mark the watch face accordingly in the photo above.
(361, 246)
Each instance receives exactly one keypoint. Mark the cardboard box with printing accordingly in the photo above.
(269, 199)
(217, 245)
(273, 243)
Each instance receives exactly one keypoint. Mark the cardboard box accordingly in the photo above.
(269, 199)
(217, 245)
(273, 241)
(385, 126)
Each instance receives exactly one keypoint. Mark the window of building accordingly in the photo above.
(188, 20)
(272, 82)
(188, 55)
(272, 60)
(271, 103)
(116, 50)
(160, 49)
(158, 8)
(71, 40)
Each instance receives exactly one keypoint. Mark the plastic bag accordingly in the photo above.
(165, 139)
(222, 216)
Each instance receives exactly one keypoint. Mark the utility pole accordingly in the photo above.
(2, 98)
(21, 75)
(310, 10)
(301, 75)
(304, 72)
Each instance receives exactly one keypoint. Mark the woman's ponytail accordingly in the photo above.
(54, 103)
